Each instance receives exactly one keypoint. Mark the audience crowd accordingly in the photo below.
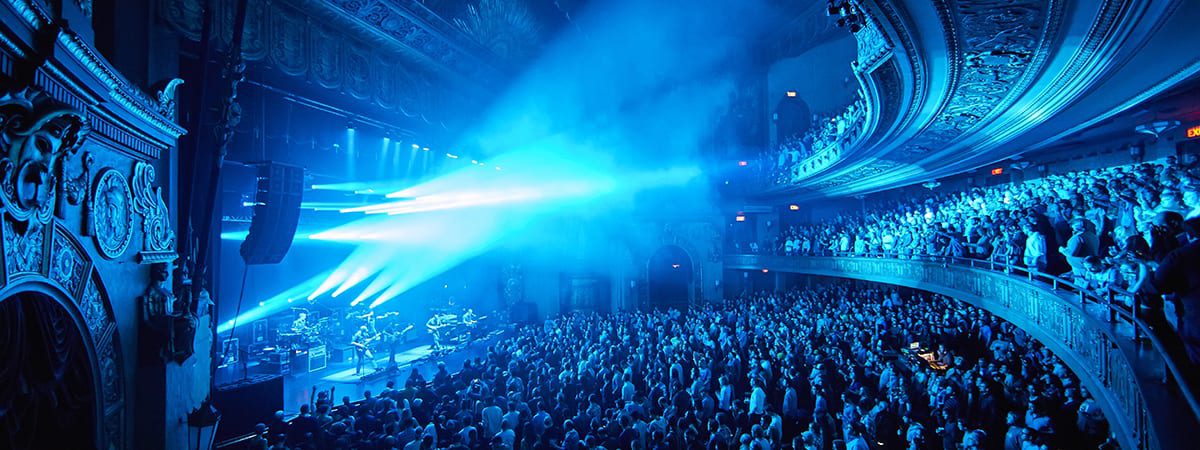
(823, 367)
(1108, 230)
(797, 155)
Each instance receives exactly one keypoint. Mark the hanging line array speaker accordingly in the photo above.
(278, 192)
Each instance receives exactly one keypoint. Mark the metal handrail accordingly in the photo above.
(1141, 329)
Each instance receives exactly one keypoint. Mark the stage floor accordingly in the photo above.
(340, 376)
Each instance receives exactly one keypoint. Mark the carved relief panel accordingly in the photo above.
(111, 216)
(158, 239)
(38, 135)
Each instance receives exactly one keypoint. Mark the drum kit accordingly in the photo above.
(305, 331)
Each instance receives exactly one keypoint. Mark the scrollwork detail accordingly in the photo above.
(158, 241)
(166, 98)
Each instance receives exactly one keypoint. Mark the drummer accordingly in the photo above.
(300, 325)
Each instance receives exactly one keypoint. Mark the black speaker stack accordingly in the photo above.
(247, 403)
(279, 190)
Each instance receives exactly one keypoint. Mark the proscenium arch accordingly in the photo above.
(793, 117)
(48, 289)
(59, 268)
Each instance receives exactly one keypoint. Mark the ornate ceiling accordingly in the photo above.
(418, 56)
(413, 56)
(952, 85)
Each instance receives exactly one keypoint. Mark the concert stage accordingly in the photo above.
(404, 360)
(340, 375)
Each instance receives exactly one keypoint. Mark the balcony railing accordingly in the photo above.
(1148, 400)
(824, 145)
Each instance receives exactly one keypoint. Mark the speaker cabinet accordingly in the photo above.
(247, 403)
(280, 188)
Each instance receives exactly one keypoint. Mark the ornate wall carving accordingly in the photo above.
(873, 44)
(68, 265)
(996, 46)
(112, 218)
(71, 273)
(26, 242)
(254, 42)
(36, 135)
(158, 239)
(286, 35)
(994, 51)
(61, 97)
(357, 76)
(325, 65)
(288, 41)
(505, 27)
(185, 17)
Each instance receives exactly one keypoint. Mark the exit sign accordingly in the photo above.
(1193, 132)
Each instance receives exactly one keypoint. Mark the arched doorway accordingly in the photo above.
(48, 395)
(669, 278)
(792, 118)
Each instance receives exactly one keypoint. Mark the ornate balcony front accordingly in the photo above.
(954, 85)
(1108, 349)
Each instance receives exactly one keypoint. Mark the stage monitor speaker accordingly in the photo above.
(247, 403)
(277, 198)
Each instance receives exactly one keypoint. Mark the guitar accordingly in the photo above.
(390, 337)
(366, 345)
(474, 321)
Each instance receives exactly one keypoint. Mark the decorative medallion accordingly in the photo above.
(111, 217)
(158, 240)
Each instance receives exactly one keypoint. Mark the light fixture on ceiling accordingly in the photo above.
(1157, 127)
(931, 185)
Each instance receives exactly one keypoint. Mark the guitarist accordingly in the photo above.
(435, 325)
(470, 320)
(362, 348)
(392, 339)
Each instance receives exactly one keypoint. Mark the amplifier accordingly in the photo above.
(341, 353)
(316, 358)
